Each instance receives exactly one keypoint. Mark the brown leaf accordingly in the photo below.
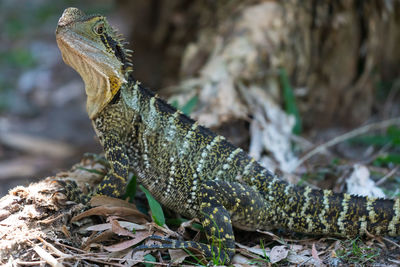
(128, 214)
(137, 238)
(116, 228)
(110, 201)
(314, 254)
(104, 236)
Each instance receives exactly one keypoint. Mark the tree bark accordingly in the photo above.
(334, 51)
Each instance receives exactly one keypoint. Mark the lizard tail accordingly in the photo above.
(314, 211)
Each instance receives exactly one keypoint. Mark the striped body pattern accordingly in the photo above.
(173, 156)
(192, 170)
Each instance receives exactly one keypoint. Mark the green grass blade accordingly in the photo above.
(290, 101)
(156, 210)
(377, 140)
(189, 106)
(390, 158)
(394, 133)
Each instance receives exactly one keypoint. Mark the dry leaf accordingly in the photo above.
(297, 259)
(295, 247)
(110, 201)
(240, 260)
(128, 214)
(177, 255)
(107, 226)
(104, 236)
(131, 258)
(138, 237)
(116, 228)
(314, 252)
(256, 250)
(278, 253)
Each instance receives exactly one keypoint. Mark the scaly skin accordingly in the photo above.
(190, 169)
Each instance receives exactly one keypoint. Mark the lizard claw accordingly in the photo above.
(71, 190)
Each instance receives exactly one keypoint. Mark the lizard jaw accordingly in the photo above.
(100, 71)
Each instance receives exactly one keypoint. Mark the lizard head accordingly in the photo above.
(93, 48)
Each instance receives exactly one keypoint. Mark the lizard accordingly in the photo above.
(190, 169)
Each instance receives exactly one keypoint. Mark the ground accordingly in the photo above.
(39, 225)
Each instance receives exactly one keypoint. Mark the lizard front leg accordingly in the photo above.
(114, 182)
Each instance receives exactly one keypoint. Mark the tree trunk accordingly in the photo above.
(334, 51)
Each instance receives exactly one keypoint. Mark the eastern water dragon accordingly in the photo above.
(190, 169)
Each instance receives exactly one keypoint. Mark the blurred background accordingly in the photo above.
(263, 73)
(43, 125)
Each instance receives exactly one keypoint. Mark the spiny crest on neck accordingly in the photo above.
(116, 42)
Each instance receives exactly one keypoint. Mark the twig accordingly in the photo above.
(371, 158)
(105, 260)
(346, 136)
(47, 256)
(51, 220)
(30, 263)
(391, 242)
(71, 247)
(387, 176)
(51, 247)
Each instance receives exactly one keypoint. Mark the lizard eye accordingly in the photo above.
(99, 28)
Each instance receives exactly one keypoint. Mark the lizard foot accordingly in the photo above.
(72, 191)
